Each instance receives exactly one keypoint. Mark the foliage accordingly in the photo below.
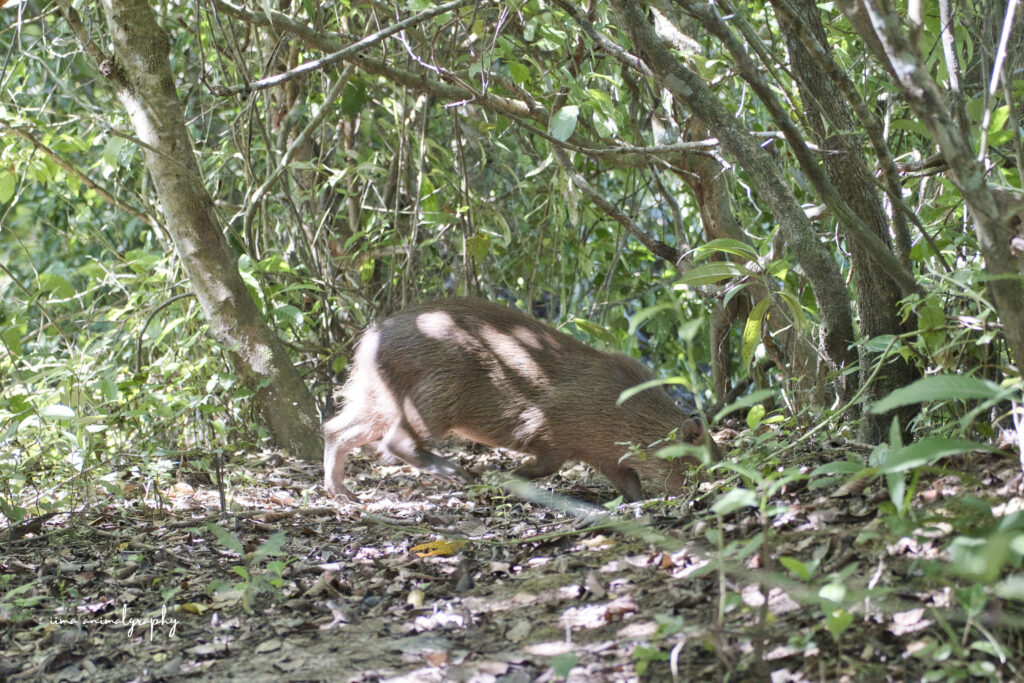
(259, 574)
(446, 159)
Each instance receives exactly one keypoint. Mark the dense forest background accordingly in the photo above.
(805, 216)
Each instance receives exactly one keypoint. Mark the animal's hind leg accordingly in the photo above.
(403, 442)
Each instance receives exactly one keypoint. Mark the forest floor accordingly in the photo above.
(425, 580)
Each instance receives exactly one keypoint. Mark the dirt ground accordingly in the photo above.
(426, 580)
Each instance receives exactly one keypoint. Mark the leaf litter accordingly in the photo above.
(428, 581)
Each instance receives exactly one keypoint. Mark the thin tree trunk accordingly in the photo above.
(994, 211)
(878, 294)
(830, 292)
(141, 76)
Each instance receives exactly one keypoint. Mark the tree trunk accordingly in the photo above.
(878, 296)
(830, 292)
(994, 211)
(141, 76)
(793, 351)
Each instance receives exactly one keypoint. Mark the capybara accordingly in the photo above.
(490, 374)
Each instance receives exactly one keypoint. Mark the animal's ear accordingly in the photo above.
(693, 431)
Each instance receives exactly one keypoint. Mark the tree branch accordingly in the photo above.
(86, 180)
(992, 215)
(855, 226)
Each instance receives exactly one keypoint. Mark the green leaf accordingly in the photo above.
(641, 316)
(478, 245)
(750, 399)
(8, 183)
(57, 412)
(755, 415)
(838, 467)
(1011, 588)
(931, 323)
(594, 330)
(1000, 115)
(798, 568)
(752, 331)
(563, 123)
(12, 338)
(940, 388)
(338, 364)
(649, 384)
(605, 126)
(833, 593)
(288, 315)
(913, 126)
(727, 246)
(981, 559)
(112, 151)
(366, 269)
(226, 538)
(881, 343)
(925, 452)
(57, 284)
(520, 72)
(353, 98)
(838, 620)
(273, 546)
(709, 274)
(734, 500)
(563, 663)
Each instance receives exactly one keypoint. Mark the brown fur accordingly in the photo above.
(490, 374)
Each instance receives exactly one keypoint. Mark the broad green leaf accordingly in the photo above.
(563, 663)
(752, 331)
(288, 315)
(688, 329)
(225, 538)
(1000, 115)
(797, 567)
(594, 330)
(925, 452)
(750, 399)
(796, 311)
(605, 125)
(366, 269)
(563, 123)
(881, 343)
(940, 388)
(709, 274)
(912, 126)
(1011, 588)
(478, 245)
(834, 593)
(838, 467)
(733, 500)
(57, 284)
(931, 323)
(728, 246)
(641, 316)
(838, 620)
(112, 151)
(57, 412)
(979, 558)
(273, 546)
(649, 384)
(755, 415)
(8, 183)
(353, 98)
(520, 72)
